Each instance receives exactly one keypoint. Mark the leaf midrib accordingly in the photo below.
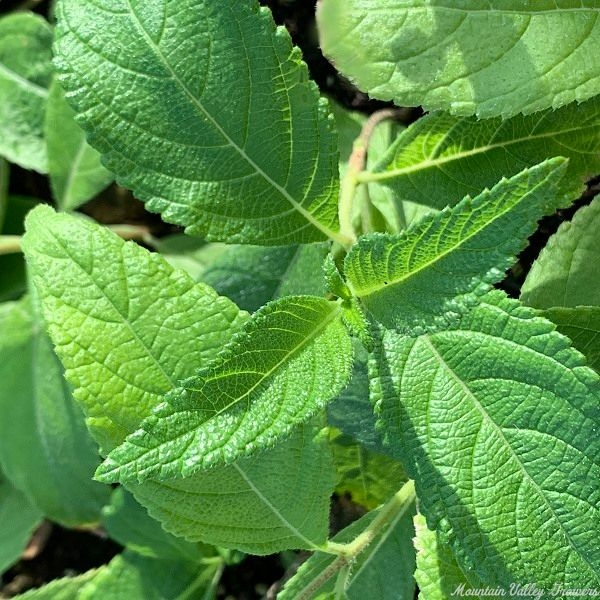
(243, 154)
(23, 82)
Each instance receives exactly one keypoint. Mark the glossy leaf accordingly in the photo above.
(566, 272)
(45, 448)
(18, 519)
(125, 324)
(206, 112)
(497, 419)
(74, 167)
(440, 158)
(25, 75)
(486, 58)
(383, 570)
(276, 500)
(289, 361)
(441, 264)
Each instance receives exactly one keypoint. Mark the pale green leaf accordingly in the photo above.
(441, 158)
(128, 523)
(442, 263)
(18, 519)
(437, 574)
(482, 57)
(205, 110)
(251, 276)
(125, 324)
(76, 174)
(497, 418)
(25, 75)
(45, 448)
(383, 571)
(566, 272)
(369, 478)
(582, 325)
(292, 357)
(67, 588)
(276, 500)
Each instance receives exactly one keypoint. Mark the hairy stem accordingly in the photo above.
(356, 165)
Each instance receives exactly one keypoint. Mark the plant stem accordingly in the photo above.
(356, 165)
(347, 553)
(10, 244)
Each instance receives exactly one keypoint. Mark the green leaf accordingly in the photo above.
(18, 519)
(76, 174)
(128, 523)
(125, 324)
(369, 478)
(25, 75)
(291, 358)
(437, 574)
(441, 264)
(566, 272)
(276, 500)
(67, 588)
(206, 112)
(383, 570)
(251, 276)
(45, 448)
(497, 419)
(582, 325)
(486, 58)
(441, 158)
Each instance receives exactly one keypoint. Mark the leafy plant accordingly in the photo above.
(350, 337)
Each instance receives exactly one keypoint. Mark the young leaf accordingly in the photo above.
(497, 419)
(125, 324)
(25, 75)
(485, 58)
(383, 570)
(42, 428)
(437, 574)
(440, 159)
(205, 110)
(128, 523)
(18, 519)
(276, 500)
(76, 174)
(291, 358)
(566, 272)
(439, 265)
(252, 275)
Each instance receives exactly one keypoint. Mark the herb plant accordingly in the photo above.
(350, 338)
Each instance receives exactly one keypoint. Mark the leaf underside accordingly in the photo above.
(497, 420)
(493, 58)
(205, 110)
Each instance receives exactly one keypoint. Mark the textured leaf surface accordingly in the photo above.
(276, 500)
(497, 419)
(437, 573)
(251, 276)
(488, 58)
(205, 110)
(25, 75)
(582, 325)
(383, 570)
(443, 262)
(18, 519)
(292, 357)
(368, 477)
(125, 324)
(42, 429)
(76, 174)
(566, 272)
(440, 158)
(128, 523)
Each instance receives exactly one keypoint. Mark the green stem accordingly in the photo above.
(356, 165)
(10, 244)
(4, 177)
(347, 553)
